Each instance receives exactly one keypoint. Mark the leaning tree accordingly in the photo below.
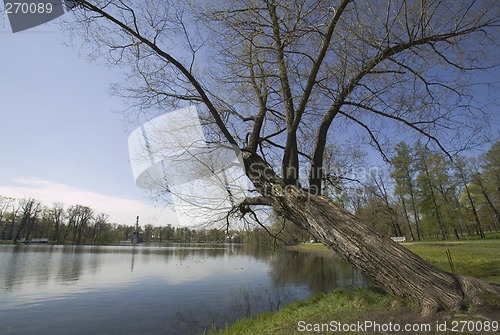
(281, 79)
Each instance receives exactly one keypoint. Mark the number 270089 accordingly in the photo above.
(474, 326)
(28, 8)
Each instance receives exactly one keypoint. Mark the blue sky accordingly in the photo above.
(60, 137)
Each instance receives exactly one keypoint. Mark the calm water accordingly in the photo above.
(177, 289)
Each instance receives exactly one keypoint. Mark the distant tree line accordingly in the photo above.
(427, 195)
(423, 195)
(25, 219)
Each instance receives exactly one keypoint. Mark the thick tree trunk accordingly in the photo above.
(387, 263)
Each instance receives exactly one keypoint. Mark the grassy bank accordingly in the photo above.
(342, 305)
(474, 258)
(479, 259)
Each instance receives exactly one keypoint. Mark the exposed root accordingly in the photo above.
(429, 308)
(477, 292)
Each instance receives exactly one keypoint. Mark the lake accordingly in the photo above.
(167, 289)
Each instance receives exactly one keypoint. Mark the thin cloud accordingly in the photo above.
(120, 210)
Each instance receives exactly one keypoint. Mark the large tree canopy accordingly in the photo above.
(282, 79)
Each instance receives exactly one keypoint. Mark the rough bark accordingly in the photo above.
(390, 265)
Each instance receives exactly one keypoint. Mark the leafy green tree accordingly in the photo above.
(79, 217)
(431, 206)
(373, 212)
(168, 232)
(488, 181)
(100, 222)
(148, 233)
(463, 172)
(377, 208)
(404, 168)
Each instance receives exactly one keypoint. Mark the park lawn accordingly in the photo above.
(479, 258)
(476, 258)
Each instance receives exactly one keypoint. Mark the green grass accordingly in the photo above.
(480, 259)
(477, 258)
(312, 246)
(488, 235)
(346, 305)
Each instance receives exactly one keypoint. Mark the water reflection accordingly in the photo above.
(319, 272)
(174, 289)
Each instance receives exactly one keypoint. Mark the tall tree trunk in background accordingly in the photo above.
(22, 224)
(416, 217)
(12, 237)
(407, 217)
(479, 182)
(473, 207)
(387, 263)
(439, 218)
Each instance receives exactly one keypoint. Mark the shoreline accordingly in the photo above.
(322, 313)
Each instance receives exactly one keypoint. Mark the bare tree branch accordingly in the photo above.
(169, 58)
